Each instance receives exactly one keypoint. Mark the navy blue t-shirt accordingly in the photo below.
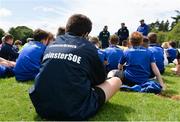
(138, 64)
(113, 55)
(64, 87)
(159, 55)
(172, 54)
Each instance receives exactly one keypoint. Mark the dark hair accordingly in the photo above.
(114, 39)
(7, 37)
(172, 44)
(39, 35)
(79, 24)
(61, 31)
(136, 38)
(125, 43)
(152, 37)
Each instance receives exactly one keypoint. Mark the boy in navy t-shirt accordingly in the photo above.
(71, 84)
(113, 53)
(29, 60)
(138, 63)
(157, 51)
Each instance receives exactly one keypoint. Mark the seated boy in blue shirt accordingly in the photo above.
(96, 42)
(138, 62)
(71, 83)
(157, 51)
(171, 52)
(113, 53)
(6, 68)
(29, 60)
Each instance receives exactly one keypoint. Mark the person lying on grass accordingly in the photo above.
(72, 84)
(6, 68)
(139, 61)
(29, 60)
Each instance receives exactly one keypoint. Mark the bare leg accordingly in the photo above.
(110, 87)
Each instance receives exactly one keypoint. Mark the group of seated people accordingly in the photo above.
(74, 77)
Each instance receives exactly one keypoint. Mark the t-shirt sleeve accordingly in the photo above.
(97, 72)
(152, 57)
(124, 58)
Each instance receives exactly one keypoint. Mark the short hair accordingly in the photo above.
(61, 31)
(172, 44)
(152, 37)
(17, 42)
(136, 38)
(114, 39)
(7, 37)
(79, 24)
(125, 43)
(51, 36)
(94, 40)
(165, 45)
(39, 35)
(145, 41)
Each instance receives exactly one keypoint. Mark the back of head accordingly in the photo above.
(145, 42)
(114, 39)
(61, 31)
(125, 43)
(152, 37)
(136, 39)
(40, 35)
(165, 45)
(8, 37)
(94, 40)
(172, 44)
(79, 25)
(17, 42)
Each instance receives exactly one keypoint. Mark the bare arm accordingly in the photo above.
(157, 74)
(7, 63)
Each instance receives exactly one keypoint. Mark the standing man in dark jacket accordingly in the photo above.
(123, 33)
(71, 84)
(143, 28)
(7, 52)
(104, 37)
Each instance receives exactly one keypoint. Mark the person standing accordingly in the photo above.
(104, 37)
(143, 28)
(123, 33)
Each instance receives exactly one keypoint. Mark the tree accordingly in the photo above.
(21, 33)
(176, 19)
(1, 33)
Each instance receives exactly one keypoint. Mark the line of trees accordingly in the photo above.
(166, 31)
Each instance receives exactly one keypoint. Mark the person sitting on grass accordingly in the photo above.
(113, 53)
(176, 70)
(29, 60)
(125, 45)
(157, 51)
(138, 62)
(7, 52)
(71, 84)
(172, 51)
(96, 42)
(6, 68)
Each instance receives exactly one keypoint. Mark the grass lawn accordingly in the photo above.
(16, 105)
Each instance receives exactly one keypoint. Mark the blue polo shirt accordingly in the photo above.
(158, 52)
(113, 56)
(138, 64)
(102, 55)
(63, 89)
(172, 54)
(29, 61)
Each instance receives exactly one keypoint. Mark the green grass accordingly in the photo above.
(16, 105)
